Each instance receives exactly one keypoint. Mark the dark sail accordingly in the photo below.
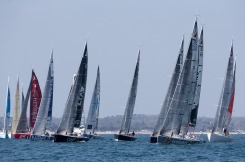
(194, 110)
(83, 72)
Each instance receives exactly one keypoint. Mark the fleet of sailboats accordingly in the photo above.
(180, 107)
(126, 122)
(177, 117)
(220, 131)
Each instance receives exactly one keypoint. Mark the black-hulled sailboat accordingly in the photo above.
(71, 119)
(125, 127)
(169, 95)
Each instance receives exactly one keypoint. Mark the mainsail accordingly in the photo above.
(194, 110)
(16, 113)
(225, 106)
(93, 114)
(170, 93)
(181, 103)
(23, 125)
(35, 99)
(74, 104)
(7, 112)
(125, 127)
(46, 103)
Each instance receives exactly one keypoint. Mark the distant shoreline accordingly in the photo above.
(149, 132)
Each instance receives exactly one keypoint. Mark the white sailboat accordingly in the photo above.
(125, 127)
(6, 133)
(39, 130)
(220, 131)
(177, 119)
(91, 125)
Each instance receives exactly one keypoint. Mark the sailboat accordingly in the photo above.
(68, 130)
(177, 118)
(39, 129)
(126, 122)
(5, 133)
(34, 93)
(169, 95)
(16, 113)
(220, 131)
(93, 114)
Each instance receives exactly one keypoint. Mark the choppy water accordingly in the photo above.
(110, 150)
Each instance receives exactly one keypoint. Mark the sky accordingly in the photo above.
(115, 30)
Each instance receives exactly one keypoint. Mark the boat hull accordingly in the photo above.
(124, 137)
(178, 140)
(66, 138)
(153, 139)
(5, 135)
(213, 137)
(41, 137)
(21, 135)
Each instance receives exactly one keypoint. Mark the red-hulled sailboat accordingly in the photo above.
(34, 92)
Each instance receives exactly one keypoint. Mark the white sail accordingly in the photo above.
(75, 99)
(93, 114)
(125, 127)
(16, 113)
(42, 117)
(226, 98)
(170, 92)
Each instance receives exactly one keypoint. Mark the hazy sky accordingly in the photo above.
(115, 30)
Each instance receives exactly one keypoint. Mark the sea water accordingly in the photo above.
(108, 149)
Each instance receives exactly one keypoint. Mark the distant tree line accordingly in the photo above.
(147, 122)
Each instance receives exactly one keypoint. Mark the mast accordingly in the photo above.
(7, 111)
(225, 105)
(170, 93)
(75, 99)
(16, 113)
(195, 107)
(35, 99)
(46, 103)
(125, 127)
(93, 114)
